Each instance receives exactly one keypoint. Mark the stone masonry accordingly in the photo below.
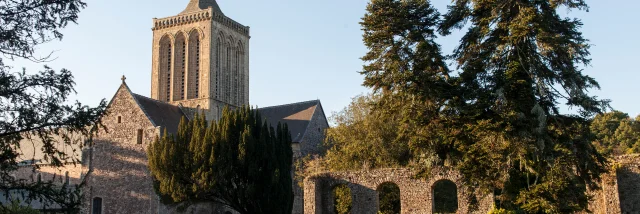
(200, 59)
(619, 192)
(118, 164)
(620, 188)
(415, 194)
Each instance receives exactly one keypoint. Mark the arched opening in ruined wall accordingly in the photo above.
(445, 197)
(389, 198)
(341, 199)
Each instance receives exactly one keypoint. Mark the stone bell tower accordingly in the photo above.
(200, 59)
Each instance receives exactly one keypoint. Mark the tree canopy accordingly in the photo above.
(616, 133)
(496, 116)
(35, 105)
(363, 138)
(240, 161)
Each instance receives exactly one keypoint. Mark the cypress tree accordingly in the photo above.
(240, 161)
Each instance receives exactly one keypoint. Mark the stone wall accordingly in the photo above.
(118, 164)
(315, 133)
(620, 188)
(51, 173)
(311, 144)
(415, 194)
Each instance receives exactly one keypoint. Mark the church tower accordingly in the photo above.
(200, 59)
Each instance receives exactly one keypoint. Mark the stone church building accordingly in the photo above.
(200, 64)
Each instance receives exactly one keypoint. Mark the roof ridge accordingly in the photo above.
(282, 105)
(154, 100)
(161, 102)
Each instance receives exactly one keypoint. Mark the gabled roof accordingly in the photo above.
(196, 5)
(160, 113)
(296, 115)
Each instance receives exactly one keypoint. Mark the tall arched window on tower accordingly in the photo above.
(179, 67)
(234, 77)
(227, 74)
(218, 67)
(194, 65)
(165, 69)
(242, 73)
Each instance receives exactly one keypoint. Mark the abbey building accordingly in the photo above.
(200, 63)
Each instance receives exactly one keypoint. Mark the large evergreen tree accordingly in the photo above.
(35, 106)
(519, 60)
(240, 161)
(405, 67)
(498, 119)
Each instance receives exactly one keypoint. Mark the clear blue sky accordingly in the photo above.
(303, 49)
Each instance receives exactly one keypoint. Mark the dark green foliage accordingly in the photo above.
(616, 133)
(36, 106)
(445, 197)
(518, 60)
(497, 120)
(240, 161)
(342, 201)
(16, 208)
(389, 198)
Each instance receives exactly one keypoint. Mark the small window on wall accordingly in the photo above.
(119, 119)
(66, 178)
(139, 140)
(96, 205)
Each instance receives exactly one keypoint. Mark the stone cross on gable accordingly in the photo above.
(123, 78)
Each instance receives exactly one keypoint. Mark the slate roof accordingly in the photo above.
(160, 113)
(196, 5)
(296, 115)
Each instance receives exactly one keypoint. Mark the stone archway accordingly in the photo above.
(342, 201)
(389, 198)
(416, 194)
(445, 197)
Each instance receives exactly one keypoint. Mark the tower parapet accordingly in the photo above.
(198, 16)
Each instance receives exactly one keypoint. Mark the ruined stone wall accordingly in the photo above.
(620, 188)
(415, 194)
(118, 164)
